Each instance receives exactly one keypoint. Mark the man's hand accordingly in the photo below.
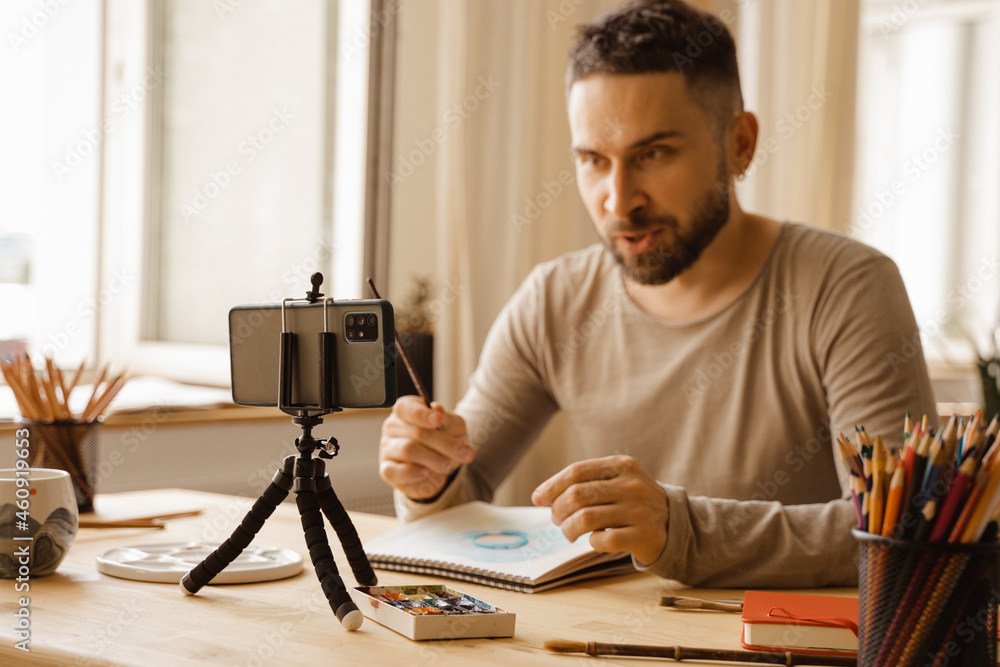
(613, 497)
(420, 447)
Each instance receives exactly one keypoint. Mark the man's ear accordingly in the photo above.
(741, 142)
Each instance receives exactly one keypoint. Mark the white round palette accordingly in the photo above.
(167, 563)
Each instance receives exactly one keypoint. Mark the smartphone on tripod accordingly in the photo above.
(365, 360)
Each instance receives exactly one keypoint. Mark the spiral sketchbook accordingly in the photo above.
(516, 548)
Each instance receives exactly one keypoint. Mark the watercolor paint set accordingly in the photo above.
(432, 612)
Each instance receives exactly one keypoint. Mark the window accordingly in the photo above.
(195, 156)
(242, 160)
(255, 154)
(50, 67)
(929, 162)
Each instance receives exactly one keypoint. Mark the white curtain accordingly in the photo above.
(506, 196)
(798, 62)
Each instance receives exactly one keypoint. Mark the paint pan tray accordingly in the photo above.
(432, 612)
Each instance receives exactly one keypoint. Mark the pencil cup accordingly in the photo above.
(69, 446)
(926, 603)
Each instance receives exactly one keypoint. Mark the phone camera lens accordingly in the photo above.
(371, 320)
(350, 320)
(350, 334)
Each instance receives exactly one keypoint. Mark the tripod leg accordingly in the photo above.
(319, 549)
(229, 550)
(341, 522)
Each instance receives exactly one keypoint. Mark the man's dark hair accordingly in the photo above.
(663, 36)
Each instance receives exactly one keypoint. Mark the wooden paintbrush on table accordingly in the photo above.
(679, 653)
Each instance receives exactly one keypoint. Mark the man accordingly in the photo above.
(704, 355)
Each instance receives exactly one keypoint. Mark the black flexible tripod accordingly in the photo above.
(313, 491)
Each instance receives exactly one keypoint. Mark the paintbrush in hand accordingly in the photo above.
(410, 368)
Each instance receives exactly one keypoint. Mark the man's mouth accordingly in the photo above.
(639, 242)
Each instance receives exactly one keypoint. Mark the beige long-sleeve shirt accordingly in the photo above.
(732, 413)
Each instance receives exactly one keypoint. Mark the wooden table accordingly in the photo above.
(82, 617)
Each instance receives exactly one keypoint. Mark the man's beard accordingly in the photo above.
(670, 257)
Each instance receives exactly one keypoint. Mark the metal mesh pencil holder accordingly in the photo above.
(926, 603)
(69, 446)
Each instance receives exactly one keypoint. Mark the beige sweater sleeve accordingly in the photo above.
(866, 342)
(724, 543)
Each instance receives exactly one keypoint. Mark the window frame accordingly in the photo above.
(359, 216)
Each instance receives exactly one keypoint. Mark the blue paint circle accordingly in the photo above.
(504, 539)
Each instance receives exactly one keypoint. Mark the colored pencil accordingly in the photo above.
(984, 507)
(877, 507)
(895, 501)
(956, 496)
(935, 486)
(914, 485)
(110, 391)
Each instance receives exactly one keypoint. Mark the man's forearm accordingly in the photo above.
(741, 544)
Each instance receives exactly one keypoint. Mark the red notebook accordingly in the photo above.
(805, 623)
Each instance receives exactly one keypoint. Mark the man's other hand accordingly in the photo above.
(420, 447)
(613, 497)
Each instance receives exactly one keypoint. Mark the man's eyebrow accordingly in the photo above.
(657, 136)
(653, 138)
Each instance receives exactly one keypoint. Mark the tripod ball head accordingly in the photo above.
(313, 294)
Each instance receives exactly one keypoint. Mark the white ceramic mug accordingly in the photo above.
(38, 520)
